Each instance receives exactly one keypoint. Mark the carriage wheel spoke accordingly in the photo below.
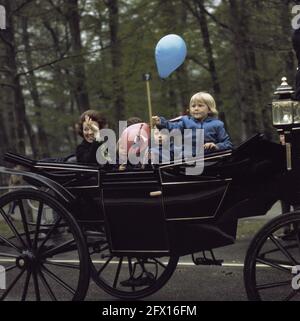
(272, 264)
(58, 249)
(24, 221)
(118, 272)
(61, 264)
(272, 285)
(131, 271)
(47, 286)
(8, 255)
(105, 248)
(5, 240)
(58, 280)
(104, 265)
(10, 268)
(296, 229)
(12, 285)
(38, 224)
(160, 263)
(12, 227)
(49, 234)
(275, 250)
(36, 286)
(291, 295)
(26, 286)
(283, 250)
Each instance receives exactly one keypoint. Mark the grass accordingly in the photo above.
(6, 231)
(248, 228)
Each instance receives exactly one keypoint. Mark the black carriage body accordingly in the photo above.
(161, 211)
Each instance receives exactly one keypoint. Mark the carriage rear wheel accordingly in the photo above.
(42, 249)
(272, 264)
(128, 277)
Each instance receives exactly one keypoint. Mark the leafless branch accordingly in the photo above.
(195, 13)
(197, 61)
(18, 9)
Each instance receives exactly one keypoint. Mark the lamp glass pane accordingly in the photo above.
(282, 112)
(296, 112)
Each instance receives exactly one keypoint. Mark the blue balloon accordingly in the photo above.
(170, 53)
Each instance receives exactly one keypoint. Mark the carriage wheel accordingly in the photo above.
(128, 277)
(41, 262)
(272, 264)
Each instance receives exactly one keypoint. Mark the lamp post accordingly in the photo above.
(286, 116)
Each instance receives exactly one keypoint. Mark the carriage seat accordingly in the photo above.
(71, 159)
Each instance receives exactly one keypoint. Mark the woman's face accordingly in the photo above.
(199, 110)
(88, 133)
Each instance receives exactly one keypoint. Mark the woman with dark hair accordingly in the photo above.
(90, 124)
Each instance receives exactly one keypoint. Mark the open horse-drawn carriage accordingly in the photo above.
(128, 229)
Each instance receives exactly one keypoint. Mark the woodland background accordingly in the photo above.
(59, 58)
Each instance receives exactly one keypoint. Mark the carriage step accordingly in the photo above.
(203, 261)
(206, 261)
(95, 239)
(95, 234)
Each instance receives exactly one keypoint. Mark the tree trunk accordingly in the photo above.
(62, 74)
(7, 133)
(17, 121)
(182, 74)
(116, 60)
(41, 134)
(209, 51)
(80, 89)
(199, 13)
(244, 92)
(288, 55)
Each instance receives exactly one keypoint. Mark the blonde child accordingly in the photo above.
(202, 115)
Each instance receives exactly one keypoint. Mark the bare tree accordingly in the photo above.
(197, 8)
(79, 84)
(41, 134)
(17, 118)
(116, 59)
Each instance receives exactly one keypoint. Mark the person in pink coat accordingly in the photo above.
(133, 143)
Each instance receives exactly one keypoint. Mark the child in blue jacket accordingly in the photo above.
(202, 115)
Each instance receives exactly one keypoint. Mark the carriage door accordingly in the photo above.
(133, 211)
(188, 197)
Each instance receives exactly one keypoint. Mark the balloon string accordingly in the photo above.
(149, 102)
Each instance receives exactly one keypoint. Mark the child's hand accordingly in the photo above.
(155, 120)
(210, 146)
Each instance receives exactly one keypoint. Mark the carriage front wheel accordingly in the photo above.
(128, 277)
(272, 264)
(43, 253)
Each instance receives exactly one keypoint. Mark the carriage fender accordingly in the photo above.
(63, 195)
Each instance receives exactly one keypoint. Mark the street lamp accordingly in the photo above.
(286, 116)
(283, 105)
